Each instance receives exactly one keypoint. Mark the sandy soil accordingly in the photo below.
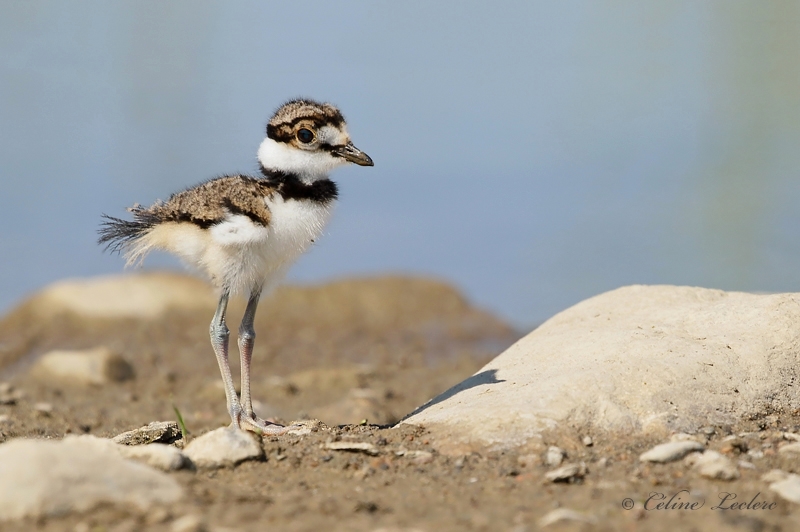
(321, 353)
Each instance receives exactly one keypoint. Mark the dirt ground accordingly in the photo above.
(359, 355)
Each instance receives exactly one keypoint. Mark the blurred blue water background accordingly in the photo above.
(533, 153)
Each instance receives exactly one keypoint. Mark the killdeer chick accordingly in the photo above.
(244, 232)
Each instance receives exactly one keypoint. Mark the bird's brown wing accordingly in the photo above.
(209, 203)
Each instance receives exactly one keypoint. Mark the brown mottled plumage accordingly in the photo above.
(210, 202)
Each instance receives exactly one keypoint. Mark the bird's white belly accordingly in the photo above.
(245, 254)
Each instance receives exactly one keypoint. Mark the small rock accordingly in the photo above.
(682, 436)
(744, 464)
(353, 446)
(44, 409)
(9, 395)
(567, 473)
(40, 478)
(223, 447)
(89, 366)
(669, 452)
(775, 475)
(788, 488)
(712, 464)
(155, 432)
(708, 430)
(188, 523)
(790, 448)
(733, 445)
(554, 456)
(420, 457)
(791, 436)
(565, 514)
(305, 426)
(158, 455)
(604, 462)
(755, 454)
(587, 441)
(5, 419)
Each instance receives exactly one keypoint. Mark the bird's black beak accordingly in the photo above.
(354, 155)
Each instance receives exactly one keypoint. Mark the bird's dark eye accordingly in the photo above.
(305, 136)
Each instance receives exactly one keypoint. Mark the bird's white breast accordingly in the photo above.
(245, 254)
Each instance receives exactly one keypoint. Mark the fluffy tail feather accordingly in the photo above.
(122, 235)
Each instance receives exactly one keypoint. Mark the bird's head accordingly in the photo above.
(308, 139)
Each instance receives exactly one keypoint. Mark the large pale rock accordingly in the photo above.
(639, 358)
(89, 366)
(146, 296)
(223, 447)
(40, 478)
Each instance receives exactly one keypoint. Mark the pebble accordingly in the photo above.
(223, 447)
(788, 487)
(155, 432)
(554, 456)
(305, 426)
(565, 514)
(158, 455)
(567, 473)
(41, 478)
(44, 409)
(669, 452)
(791, 436)
(9, 395)
(774, 475)
(682, 436)
(89, 366)
(188, 523)
(744, 464)
(420, 457)
(712, 464)
(5, 419)
(587, 441)
(354, 446)
(734, 444)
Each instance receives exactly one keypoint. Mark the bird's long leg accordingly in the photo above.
(219, 341)
(247, 337)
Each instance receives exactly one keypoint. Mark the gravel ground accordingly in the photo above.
(399, 481)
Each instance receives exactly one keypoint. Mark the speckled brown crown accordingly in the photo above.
(281, 125)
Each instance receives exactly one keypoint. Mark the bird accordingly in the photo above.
(245, 231)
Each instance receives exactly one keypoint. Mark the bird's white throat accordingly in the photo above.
(307, 165)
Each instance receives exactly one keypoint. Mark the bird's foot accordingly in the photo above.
(262, 427)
